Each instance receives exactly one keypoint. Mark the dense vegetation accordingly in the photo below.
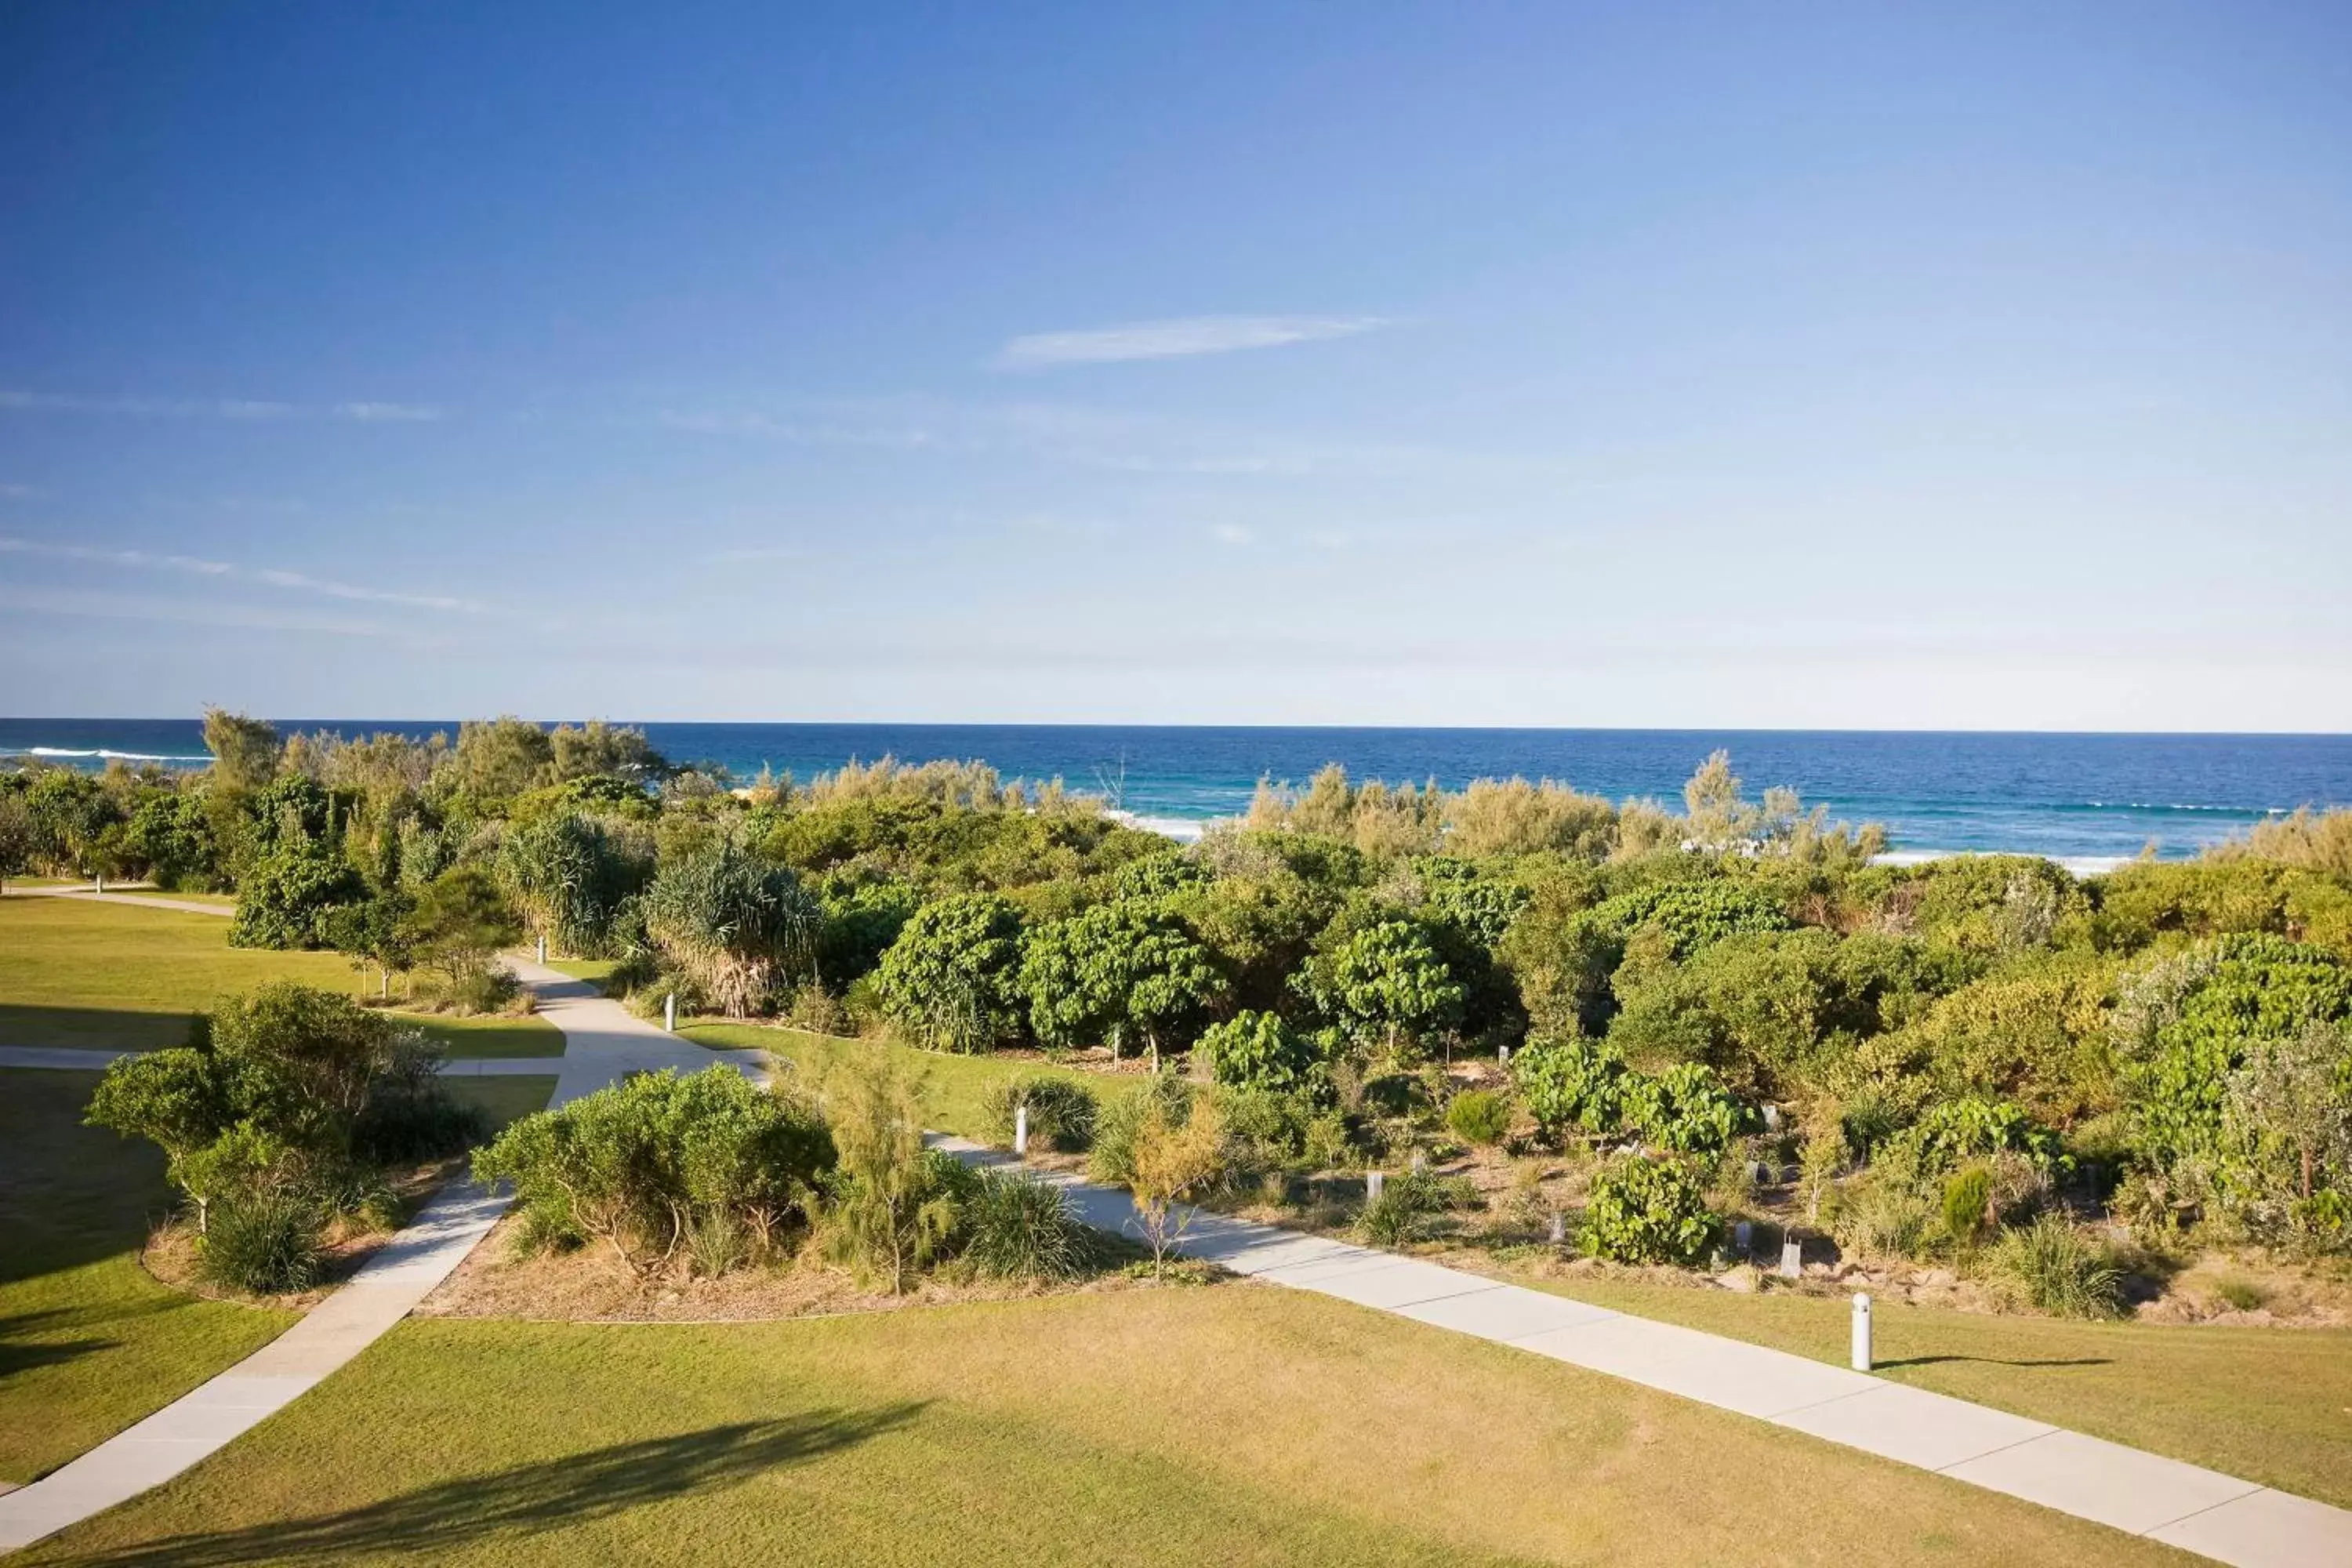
(1943, 1054)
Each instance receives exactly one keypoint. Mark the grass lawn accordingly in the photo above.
(595, 969)
(1240, 1424)
(89, 1341)
(2271, 1405)
(77, 972)
(951, 1086)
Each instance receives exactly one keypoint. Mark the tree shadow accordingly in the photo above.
(18, 1355)
(529, 1498)
(1998, 1360)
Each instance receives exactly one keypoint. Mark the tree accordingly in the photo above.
(286, 897)
(245, 751)
(1172, 1162)
(2287, 1122)
(1116, 969)
(568, 876)
(503, 757)
(172, 833)
(954, 977)
(460, 922)
(598, 750)
(740, 927)
(892, 1206)
(16, 837)
(378, 933)
(1385, 982)
(1257, 1049)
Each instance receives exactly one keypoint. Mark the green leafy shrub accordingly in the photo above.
(1019, 1228)
(952, 978)
(1257, 1048)
(1572, 1084)
(1479, 1115)
(743, 930)
(1647, 1211)
(2056, 1268)
(637, 1163)
(265, 1242)
(1967, 1205)
(1061, 1110)
(1685, 1109)
(1386, 986)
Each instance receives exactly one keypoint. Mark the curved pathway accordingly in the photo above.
(2200, 1511)
(602, 1042)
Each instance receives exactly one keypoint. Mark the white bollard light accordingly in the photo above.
(102, 881)
(1558, 1228)
(542, 947)
(1021, 1129)
(1861, 1333)
(1792, 1258)
(669, 1012)
(1504, 1055)
(1373, 1181)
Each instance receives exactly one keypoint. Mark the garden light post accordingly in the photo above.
(1861, 1332)
(1021, 1129)
(669, 1013)
(1372, 1183)
(542, 947)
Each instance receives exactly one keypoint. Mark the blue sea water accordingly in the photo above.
(2077, 797)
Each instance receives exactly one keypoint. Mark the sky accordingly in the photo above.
(1864, 366)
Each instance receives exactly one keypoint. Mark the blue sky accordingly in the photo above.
(1868, 366)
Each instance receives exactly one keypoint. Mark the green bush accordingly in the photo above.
(2058, 1269)
(265, 1242)
(1685, 1109)
(1018, 1228)
(1572, 1084)
(952, 978)
(1061, 1111)
(1967, 1205)
(1257, 1048)
(1647, 1211)
(637, 1163)
(1111, 1159)
(1479, 1115)
(1408, 1208)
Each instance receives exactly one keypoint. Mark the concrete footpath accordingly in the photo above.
(2200, 1511)
(2221, 1516)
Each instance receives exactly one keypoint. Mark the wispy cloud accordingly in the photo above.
(1174, 339)
(274, 577)
(249, 409)
(390, 413)
(1231, 533)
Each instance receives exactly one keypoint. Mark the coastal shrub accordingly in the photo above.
(952, 979)
(1685, 1109)
(2055, 1268)
(461, 921)
(1409, 1204)
(570, 876)
(1257, 1048)
(1479, 1116)
(1169, 1164)
(1020, 1229)
(1571, 1084)
(1967, 1205)
(284, 897)
(715, 1244)
(1120, 1119)
(267, 1242)
(1385, 986)
(1117, 972)
(1061, 1111)
(1647, 1211)
(638, 1164)
(742, 928)
(889, 1205)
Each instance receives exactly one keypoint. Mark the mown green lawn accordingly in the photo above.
(1236, 1424)
(89, 1341)
(2271, 1405)
(950, 1087)
(79, 973)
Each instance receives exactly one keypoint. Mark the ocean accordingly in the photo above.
(2084, 799)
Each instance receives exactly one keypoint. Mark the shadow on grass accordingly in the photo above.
(1995, 1361)
(551, 1494)
(92, 1029)
(18, 1355)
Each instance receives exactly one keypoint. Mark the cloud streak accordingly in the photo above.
(246, 410)
(222, 571)
(1179, 338)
